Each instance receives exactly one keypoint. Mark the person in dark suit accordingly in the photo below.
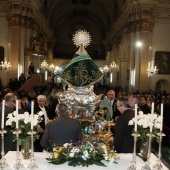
(143, 105)
(124, 141)
(62, 130)
(10, 102)
(40, 106)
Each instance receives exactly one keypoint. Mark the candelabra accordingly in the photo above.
(18, 163)
(158, 165)
(133, 162)
(147, 163)
(3, 163)
(32, 164)
(151, 69)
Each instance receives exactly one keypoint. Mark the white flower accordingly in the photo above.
(20, 116)
(26, 121)
(26, 114)
(10, 116)
(14, 113)
(71, 154)
(9, 122)
(131, 122)
(86, 154)
(35, 122)
(66, 145)
(40, 113)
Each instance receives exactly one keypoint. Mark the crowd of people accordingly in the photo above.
(57, 127)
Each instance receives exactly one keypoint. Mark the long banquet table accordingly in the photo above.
(40, 160)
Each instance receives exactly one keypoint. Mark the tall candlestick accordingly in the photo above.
(161, 116)
(135, 117)
(16, 114)
(152, 110)
(3, 114)
(32, 113)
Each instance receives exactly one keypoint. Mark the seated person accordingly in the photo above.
(62, 130)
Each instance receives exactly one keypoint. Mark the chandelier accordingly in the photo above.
(151, 69)
(113, 65)
(6, 66)
(51, 67)
(44, 65)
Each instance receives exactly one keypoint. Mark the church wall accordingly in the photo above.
(161, 42)
(4, 43)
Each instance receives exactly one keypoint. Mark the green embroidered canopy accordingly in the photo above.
(81, 71)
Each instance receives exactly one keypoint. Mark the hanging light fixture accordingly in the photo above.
(51, 67)
(113, 65)
(151, 68)
(44, 65)
(6, 66)
(105, 68)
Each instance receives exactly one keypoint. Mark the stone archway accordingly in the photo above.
(162, 85)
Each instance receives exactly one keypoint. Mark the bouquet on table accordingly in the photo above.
(85, 154)
(144, 122)
(24, 124)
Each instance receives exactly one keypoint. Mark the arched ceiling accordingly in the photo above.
(67, 16)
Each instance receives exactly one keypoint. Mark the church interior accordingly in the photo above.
(126, 35)
(125, 41)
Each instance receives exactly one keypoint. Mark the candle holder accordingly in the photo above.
(3, 163)
(147, 163)
(158, 165)
(133, 162)
(18, 163)
(32, 164)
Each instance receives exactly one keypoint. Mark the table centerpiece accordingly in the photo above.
(24, 125)
(82, 153)
(144, 124)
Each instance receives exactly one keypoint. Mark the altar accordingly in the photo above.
(40, 160)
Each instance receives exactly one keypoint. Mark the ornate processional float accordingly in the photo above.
(80, 74)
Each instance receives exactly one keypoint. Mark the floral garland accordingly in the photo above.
(85, 154)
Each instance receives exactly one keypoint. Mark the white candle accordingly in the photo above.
(16, 114)
(32, 113)
(3, 114)
(152, 110)
(135, 117)
(161, 117)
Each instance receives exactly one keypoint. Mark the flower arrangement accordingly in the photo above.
(100, 124)
(24, 124)
(85, 154)
(144, 122)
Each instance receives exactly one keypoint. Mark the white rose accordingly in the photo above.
(20, 116)
(14, 113)
(35, 122)
(71, 155)
(10, 116)
(130, 122)
(40, 113)
(66, 145)
(145, 124)
(157, 125)
(26, 121)
(26, 114)
(8, 122)
(141, 113)
(36, 117)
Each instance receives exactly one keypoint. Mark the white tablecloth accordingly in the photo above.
(40, 160)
